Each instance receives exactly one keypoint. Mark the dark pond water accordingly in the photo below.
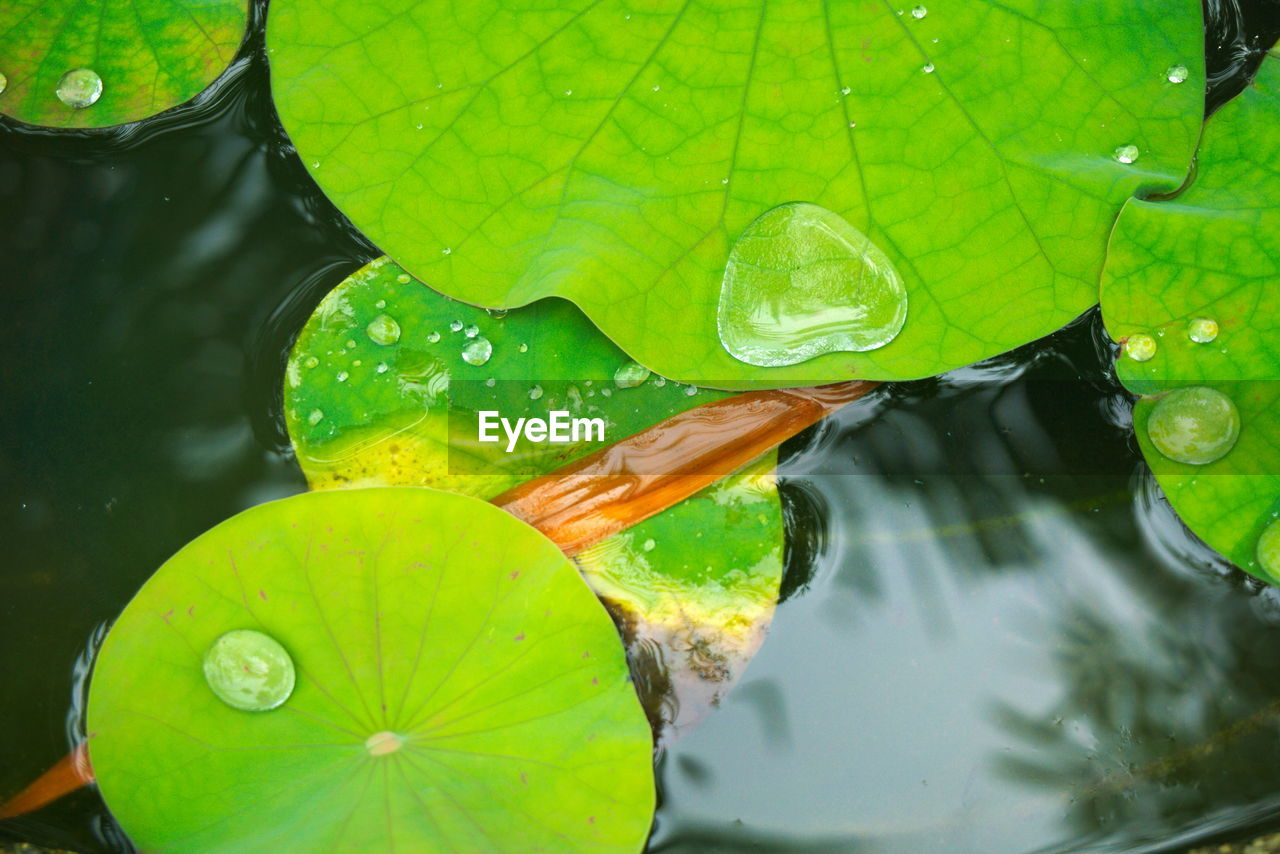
(997, 637)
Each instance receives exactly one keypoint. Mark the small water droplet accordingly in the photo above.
(1268, 549)
(523, 348)
(535, 392)
(477, 351)
(342, 376)
(659, 381)
(310, 362)
(1202, 330)
(801, 281)
(382, 367)
(928, 68)
(80, 88)
(630, 375)
(383, 330)
(491, 382)
(248, 670)
(691, 391)
(1194, 425)
(1126, 153)
(649, 545)
(846, 90)
(4, 83)
(1177, 74)
(919, 12)
(568, 91)
(433, 337)
(455, 325)
(380, 304)
(471, 331)
(315, 417)
(403, 278)
(1140, 347)
(656, 87)
(446, 251)
(315, 164)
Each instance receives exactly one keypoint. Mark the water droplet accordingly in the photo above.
(523, 348)
(1140, 347)
(433, 337)
(568, 91)
(691, 391)
(928, 68)
(383, 330)
(4, 83)
(630, 375)
(846, 90)
(1268, 549)
(471, 331)
(446, 251)
(80, 88)
(351, 344)
(1194, 425)
(491, 382)
(249, 670)
(1126, 153)
(1202, 330)
(380, 304)
(649, 545)
(919, 12)
(343, 376)
(382, 367)
(403, 278)
(477, 351)
(315, 417)
(315, 164)
(455, 325)
(1177, 74)
(310, 362)
(659, 381)
(801, 281)
(535, 392)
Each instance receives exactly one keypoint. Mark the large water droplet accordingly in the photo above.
(630, 375)
(477, 351)
(1268, 549)
(249, 670)
(80, 88)
(1126, 153)
(1202, 330)
(1177, 74)
(1140, 347)
(383, 330)
(1194, 425)
(800, 282)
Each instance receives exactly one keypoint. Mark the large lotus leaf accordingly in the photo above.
(612, 152)
(458, 688)
(148, 56)
(364, 413)
(1211, 255)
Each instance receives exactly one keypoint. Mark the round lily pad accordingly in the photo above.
(458, 688)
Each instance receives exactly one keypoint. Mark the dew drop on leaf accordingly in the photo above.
(315, 417)
(535, 392)
(800, 282)
(383, 330)
(1202, 330)
(1268, 549)
(919, 12)
(1177, 74)
(455, 325)
(929, 68)
(80, 88)
(630, 375)
(4, 83)
(1195, 425)
(342, 376)
(1140, 347)
(310, 362)
(471, 331)
(249, 670)
(433, 337)
(477, 351)
(1126, 153)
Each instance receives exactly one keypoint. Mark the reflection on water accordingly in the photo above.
(996, 635)
(1007, 643)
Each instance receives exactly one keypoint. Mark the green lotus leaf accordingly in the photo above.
(93, 63)
(613, 153)
(363, 409)
(458, 688)
(1190, 284)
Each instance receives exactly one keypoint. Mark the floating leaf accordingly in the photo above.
(612, 154)
(388, 422)
(93, 63)
(1195, 279)
(458, 689)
